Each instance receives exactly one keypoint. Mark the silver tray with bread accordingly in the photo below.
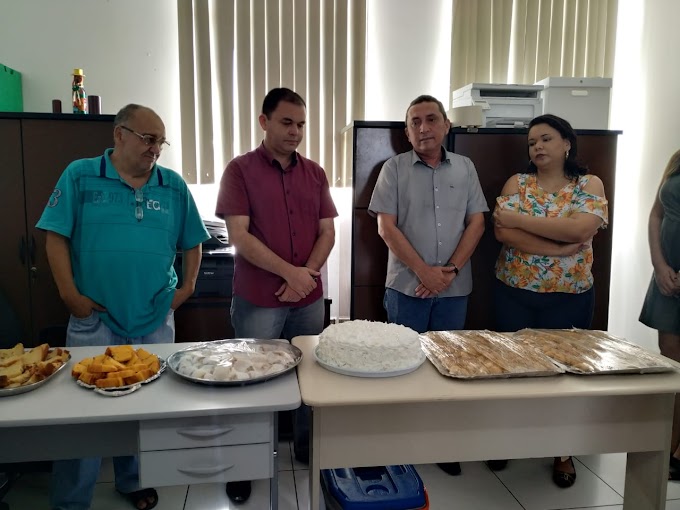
(482, 354)
(235, 362)
(119, 371)
(592, 352)
(24, 370)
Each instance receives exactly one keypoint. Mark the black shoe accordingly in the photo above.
(238, 492)
(302, 456)
(563, 479)
(497, 465)
(450, 468)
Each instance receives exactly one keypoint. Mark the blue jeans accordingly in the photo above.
(73, 481)
(250, 321)
(429, 314)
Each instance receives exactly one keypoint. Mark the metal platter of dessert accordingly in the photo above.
(235, 362)
(22, 370)
(592, 352)
(482, 354)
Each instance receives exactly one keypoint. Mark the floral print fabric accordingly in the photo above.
(542, 273)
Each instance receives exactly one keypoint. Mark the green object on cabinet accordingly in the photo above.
(11, 97)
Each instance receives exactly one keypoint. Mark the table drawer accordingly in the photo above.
(205, 431)
(205, 465)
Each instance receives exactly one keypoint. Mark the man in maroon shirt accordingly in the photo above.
(279, 215)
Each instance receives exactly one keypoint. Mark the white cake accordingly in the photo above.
(369, 346)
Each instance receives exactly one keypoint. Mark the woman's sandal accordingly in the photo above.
(142, 496)
(562, 478)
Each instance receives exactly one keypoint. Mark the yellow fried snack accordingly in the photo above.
(121, 365)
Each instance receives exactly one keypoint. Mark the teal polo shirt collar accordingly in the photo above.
(107, 170)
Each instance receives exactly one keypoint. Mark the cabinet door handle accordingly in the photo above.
(205, 432)
(22, 251)
(205, 471)
(31, 250)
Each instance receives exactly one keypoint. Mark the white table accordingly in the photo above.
(424, 417)
(183, 432)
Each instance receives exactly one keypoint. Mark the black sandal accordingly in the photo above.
(563, 479)
(141, 496)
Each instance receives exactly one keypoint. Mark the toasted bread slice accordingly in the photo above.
(146, 374)
(36, 354)
(109, 382)
(86, 362)
(136, 378)
(153, 363)
(143, 353)
(12, 370)
(47, 368)
(120, 353)
(99, 368)
(78, 369)
(90, 378)
(134, 360)
(57, 353)
(17, 350)
(114, 363)
(36, 378)
(11, 361)
(122, 374)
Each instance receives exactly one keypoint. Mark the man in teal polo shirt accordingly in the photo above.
(114, 224)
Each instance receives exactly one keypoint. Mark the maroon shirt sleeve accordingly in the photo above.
(232, 199)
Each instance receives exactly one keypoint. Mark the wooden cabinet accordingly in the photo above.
(35, 150)
(497, 155)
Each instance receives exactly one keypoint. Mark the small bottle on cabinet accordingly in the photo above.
(78, 92)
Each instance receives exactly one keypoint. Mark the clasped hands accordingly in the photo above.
(667, 280)
(300, 282)
(433, 280)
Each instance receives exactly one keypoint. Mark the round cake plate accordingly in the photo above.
(363, 373)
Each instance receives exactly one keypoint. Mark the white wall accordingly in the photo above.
(646, 107)
(127, 48)
(408, 54)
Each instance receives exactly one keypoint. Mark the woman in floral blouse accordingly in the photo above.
(546, 219)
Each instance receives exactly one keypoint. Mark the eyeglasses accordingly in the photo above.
(148, 140)
(139, 197)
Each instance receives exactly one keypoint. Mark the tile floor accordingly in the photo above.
(523, 485)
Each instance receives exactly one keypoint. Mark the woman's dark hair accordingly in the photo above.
(573, 167)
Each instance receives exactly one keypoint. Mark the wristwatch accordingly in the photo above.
(454, 266)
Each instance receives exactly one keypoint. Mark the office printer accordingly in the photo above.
(217, 265)
(503, 105)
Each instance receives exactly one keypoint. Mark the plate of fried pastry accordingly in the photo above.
(121, 370)
(23, 370)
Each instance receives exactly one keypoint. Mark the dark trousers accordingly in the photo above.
(516, 309)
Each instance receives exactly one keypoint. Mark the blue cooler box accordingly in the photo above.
(373, 488)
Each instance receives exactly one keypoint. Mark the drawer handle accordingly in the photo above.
(204, 432)
(205, 471)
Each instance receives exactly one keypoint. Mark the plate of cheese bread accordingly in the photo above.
(121, 370)
(23, 370)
